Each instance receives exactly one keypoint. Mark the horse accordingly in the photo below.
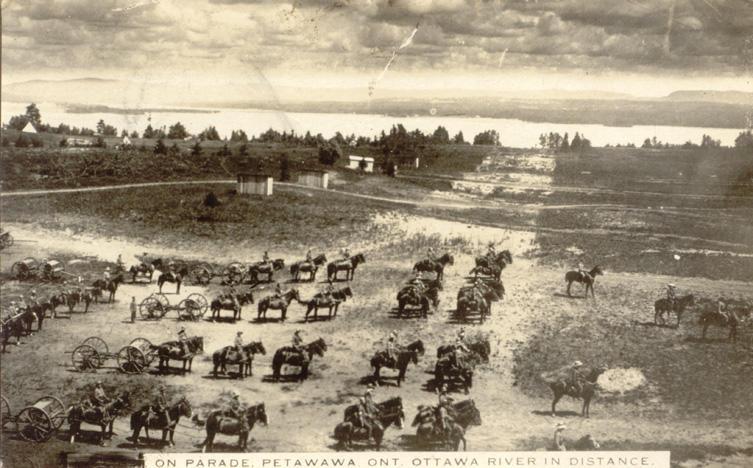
(287, 355)
(172, 277)
(223, 303)
(586, 279)
(587, 391)
(307, 267)
(663, 306)
(405, 355)
(230, 355)
(332, 302)
(472, 299)
(349, 266)
(449, 370)
(480, 347)
(78, 414)
(279, 303)
(422, 298)
(219, 423)
(11, 327)
(40, 311)
(736, 314)
(147, 419)
(110, 286)
(492, 271)
(267, 268)
(501, 259)
(435, 266)
(463, 414)
(173, 350)
(388, 413)
(72, 297)
(145, 269)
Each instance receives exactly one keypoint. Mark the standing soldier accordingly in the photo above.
(559, 441)
(133, 309)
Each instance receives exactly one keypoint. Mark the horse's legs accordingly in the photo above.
(557, 397)
(569, 283)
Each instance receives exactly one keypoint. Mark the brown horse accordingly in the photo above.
(663, 306)
(332, 302)
(225, 303)
(736, 313)
(462, 415)
(265, 268)
(279, 303)
(147, 419)
(230, 355)
(405, 356)
(481, 347)
(173, 277)
(145, 269)
(173, 350)
(586, 279)
(289, 356)
(435, 266)
(111, 286)
(96, 416)
(586, 392)
(349, 266)
(307, 267)
(220, 423)
(501, 260)
(388, 413)
(423, 298)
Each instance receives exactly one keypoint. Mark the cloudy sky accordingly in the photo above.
(643, 47)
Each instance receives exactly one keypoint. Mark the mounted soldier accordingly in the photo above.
(106, 275)
(183, 340)
(431, 255)
(329, 289)
(443, 420)
(345, 253)
(265, 258)
(33, 301)
(99, 399)
(278, 291)
(671, 295)
(461, 350)
(160, 407)
(392, 346)
(366, 418)
(239, 343)
(297, 342)
(309, 256)
(576, 377)
(237, 409)
(491, 251)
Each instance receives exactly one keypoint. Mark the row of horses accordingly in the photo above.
(19, 323)
(281, 302)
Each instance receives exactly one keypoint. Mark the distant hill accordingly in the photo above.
(725, 97)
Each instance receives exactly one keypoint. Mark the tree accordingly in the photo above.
(646, 143)
(123, 133)
(160, 147)
(440, 136)
(22, 141)
(329, 153)
(104, 129)
(565, 145)
(196, 149)
(100, 142)
(238, 135)
(148, 132)
(744, 139)
(489, 137)
(63, 143)
(708, 142)
(210, 133)
(243, 150)
(134, 134)
(174, 150)
(33, 115)
(177, 132)
(284, 168)
(225, 151)
(18, 122)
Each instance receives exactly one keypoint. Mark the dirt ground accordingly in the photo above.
(641, 409)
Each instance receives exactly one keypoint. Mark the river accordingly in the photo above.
(513, 132)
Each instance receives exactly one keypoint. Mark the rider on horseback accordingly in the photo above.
(442, 417)
(671, 295)
(183, 340)
(237, 409)
(239, 343)
(461, 349)
(491, 250)
(106, 274)
(33, 297)
(329, 289)
(309, 256)
(265, 258)
(576, 377)
(297, 342)
(159, 407)
(233, 296)
(346, 253)
(431, 255)
(99, 399)
(367, 414)
(119, 264)
(392, 346)
(278, 292)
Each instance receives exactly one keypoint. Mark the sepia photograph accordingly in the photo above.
(376, 233)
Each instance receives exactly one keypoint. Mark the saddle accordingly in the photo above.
(388, 361)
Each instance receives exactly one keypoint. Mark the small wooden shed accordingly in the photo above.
(314, 178)
(255, 184)
(355, 162)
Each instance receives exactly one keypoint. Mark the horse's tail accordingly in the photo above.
(135, 420)
(217, 358)
(293, 269)
(277, 362)
(331, 269)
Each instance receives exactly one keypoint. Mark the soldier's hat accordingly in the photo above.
(577, 364)
(671, 285)
(297, 332)
(462, 331)
(98, 383)
(240, 332)
(367, 392)
(560, 427)
(393, 333)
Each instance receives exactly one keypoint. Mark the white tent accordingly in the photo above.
(126, 141)
(29, 128)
